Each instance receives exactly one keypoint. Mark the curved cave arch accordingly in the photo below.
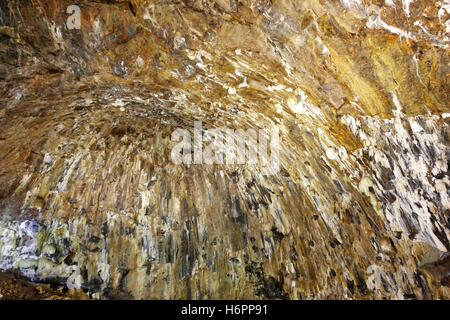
(90, 199)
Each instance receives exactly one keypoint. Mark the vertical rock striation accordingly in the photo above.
(89, 195)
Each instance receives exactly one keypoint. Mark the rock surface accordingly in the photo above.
(13, 287)
(90, 199)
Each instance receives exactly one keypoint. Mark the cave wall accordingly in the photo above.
(90, 198)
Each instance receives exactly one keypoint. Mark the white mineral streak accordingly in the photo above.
(299, 104)
(416, 62)
(351, 3)
(406, 5)
(375, 22)
(443, 10)
(376, 134)
(390, 3)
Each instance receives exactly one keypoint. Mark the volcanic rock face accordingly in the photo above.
(90, 197)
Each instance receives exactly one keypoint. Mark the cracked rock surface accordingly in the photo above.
(358, 89)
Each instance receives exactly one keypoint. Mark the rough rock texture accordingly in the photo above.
(89, 197)
(13, 287)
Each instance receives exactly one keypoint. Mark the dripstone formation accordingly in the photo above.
(358, 89)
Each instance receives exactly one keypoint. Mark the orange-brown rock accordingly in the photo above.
(358, 89)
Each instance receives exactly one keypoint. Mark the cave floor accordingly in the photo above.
(13, 287)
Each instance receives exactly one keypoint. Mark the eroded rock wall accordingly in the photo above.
(90, 198)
